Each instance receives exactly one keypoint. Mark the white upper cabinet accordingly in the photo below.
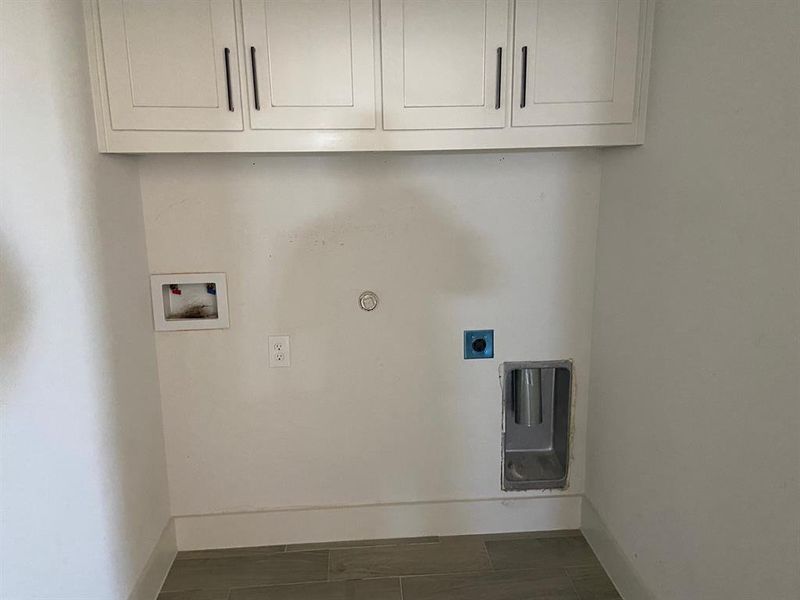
(444, 63)
(171, 65)
(575, 61)
(310, 63)
(367, 75)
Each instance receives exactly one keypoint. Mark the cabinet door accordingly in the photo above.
(310, 63)
(444, 63)
(575, 61)
(171, 65)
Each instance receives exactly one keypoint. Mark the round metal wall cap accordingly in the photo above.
(368, 300)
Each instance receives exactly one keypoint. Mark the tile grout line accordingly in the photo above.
(488, 556)
(328, 568)
(572, 584)
(287, 551)
(481, 572)
(402, 594)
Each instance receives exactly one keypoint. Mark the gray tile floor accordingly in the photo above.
(557, 565)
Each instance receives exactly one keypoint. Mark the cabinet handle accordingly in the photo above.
(498, 86)
(228, 78)
(256, 99)
(523, 93)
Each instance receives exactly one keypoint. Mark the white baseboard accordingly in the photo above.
(613, 559)
(155, 571)
(299, 525)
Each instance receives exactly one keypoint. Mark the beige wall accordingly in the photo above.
(377, 407)
(83, 495)
(693, 448)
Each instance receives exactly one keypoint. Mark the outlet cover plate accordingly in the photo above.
(479, 343)
(280, 351)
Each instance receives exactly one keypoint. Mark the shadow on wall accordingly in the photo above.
(15, 314)
(382, 400)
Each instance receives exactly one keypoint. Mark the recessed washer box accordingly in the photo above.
(478, 343)
(183, 301)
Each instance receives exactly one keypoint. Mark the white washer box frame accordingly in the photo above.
(157, 283)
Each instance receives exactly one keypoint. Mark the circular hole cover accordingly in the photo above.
(368, 300)
(479, 345)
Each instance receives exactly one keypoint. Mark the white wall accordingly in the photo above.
(84, 492)
(377, 407)
(693, 448)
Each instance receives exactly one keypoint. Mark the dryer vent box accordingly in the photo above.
(183, 301)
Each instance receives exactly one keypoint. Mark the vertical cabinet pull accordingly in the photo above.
(498, 86)
(228, 78)
(523, 92)
(256, 99)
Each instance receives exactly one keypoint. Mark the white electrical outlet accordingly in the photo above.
(280, 351)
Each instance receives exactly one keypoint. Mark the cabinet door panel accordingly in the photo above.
(581, 61)
(165, 64)
(314, 63)
(440, 63)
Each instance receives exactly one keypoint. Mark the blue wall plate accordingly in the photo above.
(479, 343)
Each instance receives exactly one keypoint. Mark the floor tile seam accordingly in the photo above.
(517, 536)
(470, 572)
(269, 556)
(572, 584)
(230, 589)
(488, 556)
(283, 547)
(366, 547)
(528, 569)
(483, 572)
(295, 583)
(298, 583)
